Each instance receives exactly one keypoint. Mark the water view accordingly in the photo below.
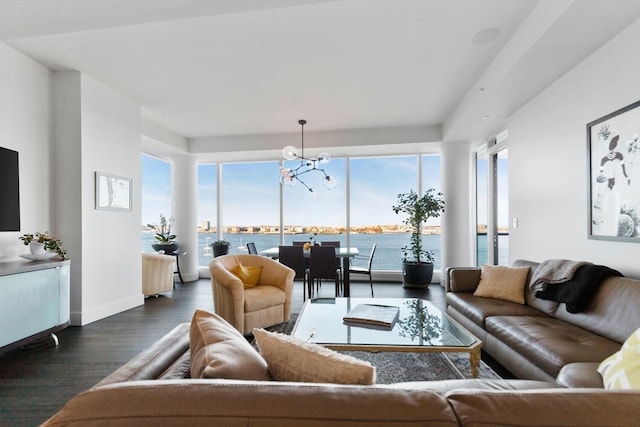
(388, 254)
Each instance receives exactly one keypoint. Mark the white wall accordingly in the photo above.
(548, 158)
(66, 127)
(25, 127)
(111, 260)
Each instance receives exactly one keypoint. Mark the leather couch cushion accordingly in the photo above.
(544, 408)
(241, 403)
(291, 359)
(548, 342)
(478, 308)
(613, 311)
(501, 282)
(621, 370)
(580, 375)
(218, 350)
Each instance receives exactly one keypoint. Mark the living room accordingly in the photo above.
(567, 64)
(66, 125)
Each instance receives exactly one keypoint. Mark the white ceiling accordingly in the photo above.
(211, 68)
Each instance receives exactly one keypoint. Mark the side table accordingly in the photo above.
(178, 255)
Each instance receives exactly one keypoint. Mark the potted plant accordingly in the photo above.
(165, 240)
(39, 243)
(417, 263)
(220, 247)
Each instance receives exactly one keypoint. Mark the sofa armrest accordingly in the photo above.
(580, 375)
(462, 279)
(153, 362)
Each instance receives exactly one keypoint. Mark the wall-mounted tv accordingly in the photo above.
(9, 191)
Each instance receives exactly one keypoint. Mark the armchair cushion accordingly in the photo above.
(218, 350)
(250, 275)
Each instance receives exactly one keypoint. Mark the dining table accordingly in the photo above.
(344, 253)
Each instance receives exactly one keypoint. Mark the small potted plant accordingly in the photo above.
(39, 243)
(417, 263)
(220, 247)
(165, 240)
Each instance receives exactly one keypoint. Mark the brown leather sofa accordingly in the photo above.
(541, 340)
(154, 389)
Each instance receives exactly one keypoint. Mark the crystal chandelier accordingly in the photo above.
(290, 176)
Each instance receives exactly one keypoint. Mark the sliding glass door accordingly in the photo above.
(492, 204)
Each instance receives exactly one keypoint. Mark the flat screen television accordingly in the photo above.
(9, 191)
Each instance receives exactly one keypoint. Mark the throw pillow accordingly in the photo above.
(621, 370)
(250, 275)
(500, 282)
(218, 350)
(291, 359)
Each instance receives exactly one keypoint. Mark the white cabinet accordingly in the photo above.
(34, 300)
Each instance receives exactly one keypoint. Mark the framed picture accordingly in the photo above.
(113, 192)
(613, 149)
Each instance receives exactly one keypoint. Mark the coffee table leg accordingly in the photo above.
(474, 361)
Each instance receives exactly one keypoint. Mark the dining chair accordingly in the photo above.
(323, 266)
(353, 269)
(335, 244)
(251, 248)
(299, 242)
(293, 257)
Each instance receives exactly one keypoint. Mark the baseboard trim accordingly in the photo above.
(105, 310)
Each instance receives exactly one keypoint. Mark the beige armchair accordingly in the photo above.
(266, 304)
(157, 273)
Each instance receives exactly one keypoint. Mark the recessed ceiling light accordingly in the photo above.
(486, 36)
(485, 117)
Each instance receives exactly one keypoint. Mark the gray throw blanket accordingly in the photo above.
(554, 271)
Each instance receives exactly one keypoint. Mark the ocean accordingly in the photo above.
(388, 254)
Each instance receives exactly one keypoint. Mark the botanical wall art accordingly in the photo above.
(113, 192)
(613, 148)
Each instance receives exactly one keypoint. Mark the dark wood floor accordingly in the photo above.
(37, 380)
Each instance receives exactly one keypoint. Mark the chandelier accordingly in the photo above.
(290, 176)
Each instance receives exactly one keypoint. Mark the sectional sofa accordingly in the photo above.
(156, 387)
(540, 339)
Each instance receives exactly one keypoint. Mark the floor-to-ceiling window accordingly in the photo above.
(431, 179)
(322, 216)
(375, 183)
(207, 211)
(156, 196)
(492, 204)
(250, 205)
(367, 187)
(482, 208)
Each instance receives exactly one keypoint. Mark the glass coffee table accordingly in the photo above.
(420, 327)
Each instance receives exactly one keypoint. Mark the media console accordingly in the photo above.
(34, 301)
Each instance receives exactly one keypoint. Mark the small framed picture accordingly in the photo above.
(113, 192)
(613, 148)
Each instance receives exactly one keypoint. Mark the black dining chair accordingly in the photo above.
(251, 247)
(353, 269)
(335, 244)
(323, 266)
(293, 257)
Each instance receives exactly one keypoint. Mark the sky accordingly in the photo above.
(251, 191)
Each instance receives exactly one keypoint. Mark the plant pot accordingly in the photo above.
(417, 275)
(166, 247)
(36, 248)
(219, 250)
